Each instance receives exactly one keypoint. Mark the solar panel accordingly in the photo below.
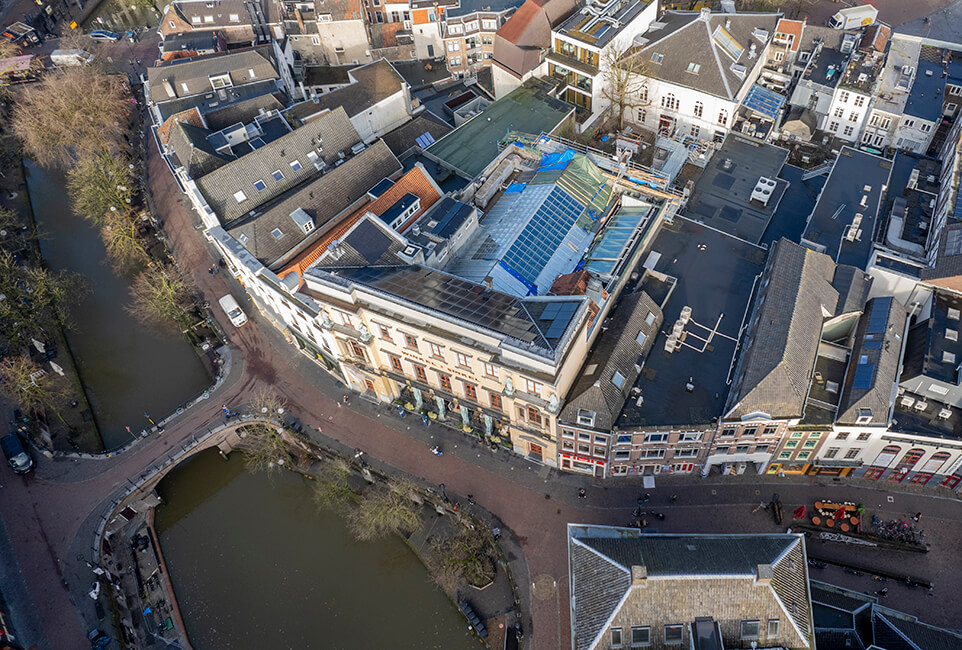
(425, 140)
(864, 376)
(880, 315)
(543, 234)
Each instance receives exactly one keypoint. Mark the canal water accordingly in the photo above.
(255, 565)
(128, 370)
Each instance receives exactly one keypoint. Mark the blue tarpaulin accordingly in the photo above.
(556, 161)
(514, 187)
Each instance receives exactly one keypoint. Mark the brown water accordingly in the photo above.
(255, 565)
(127, 370)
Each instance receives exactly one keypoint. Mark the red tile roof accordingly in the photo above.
(190, 116)
(792, 28)
(415, 181)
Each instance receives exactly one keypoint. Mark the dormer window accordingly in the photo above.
(586, 418)
(864, 416)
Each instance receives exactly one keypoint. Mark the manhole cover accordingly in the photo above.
(543, 587)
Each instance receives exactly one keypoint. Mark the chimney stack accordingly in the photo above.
(639, 574)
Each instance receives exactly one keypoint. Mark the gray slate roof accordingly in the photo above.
(893, 629)
(615, 350)
(323, 198)
(190, 77)
(688, 38)
(601, 561)
(882, 352)
(369, 85)
(405, 136)
(189, 146)
(328, 136)
(599, 585)
(774, 370)
(243, 111)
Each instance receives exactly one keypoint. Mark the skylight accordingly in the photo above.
(657, 57)
(727, 42)
(694, 67)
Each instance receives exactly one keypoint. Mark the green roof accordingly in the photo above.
(473, 145)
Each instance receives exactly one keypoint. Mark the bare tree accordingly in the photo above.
(625, 81)
(33, 298)
(265, 446)
(468, 555)
(384, 511)
(72, 111)
(26, 384)
(101, 183)
(119, 234)
(161, 298)
(332, 488)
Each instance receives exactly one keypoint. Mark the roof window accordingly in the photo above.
(657, 57)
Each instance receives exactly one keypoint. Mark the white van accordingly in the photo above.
(233, 310)
(71, 57)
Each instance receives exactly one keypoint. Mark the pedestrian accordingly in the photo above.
(471, 498)
(918, 515)
(346, 398)
(338, 404)
(319, 429)
(496, 532)
(582, 493)
(674, 498)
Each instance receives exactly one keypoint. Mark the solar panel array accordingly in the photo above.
(559, 314)
(864, 376)
(424, 140)
(880, 315)
(543, 234)
(453, 296)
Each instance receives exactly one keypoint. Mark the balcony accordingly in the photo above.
(572, 63)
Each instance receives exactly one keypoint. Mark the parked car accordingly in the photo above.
(16, 454)
(233, 310)
(104, 35)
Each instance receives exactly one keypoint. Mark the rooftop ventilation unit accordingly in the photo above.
(763, 190)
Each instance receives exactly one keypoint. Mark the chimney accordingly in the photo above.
(489, 282)
(705, 14)
(728, 23)
(763, 574)
(639, 575)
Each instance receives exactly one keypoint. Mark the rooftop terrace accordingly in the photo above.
(863, 71)
(843, 221)
(471, 147)
(600, 21)
(715, 275)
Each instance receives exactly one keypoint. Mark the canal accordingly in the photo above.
(127, 369)
(255, 565)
